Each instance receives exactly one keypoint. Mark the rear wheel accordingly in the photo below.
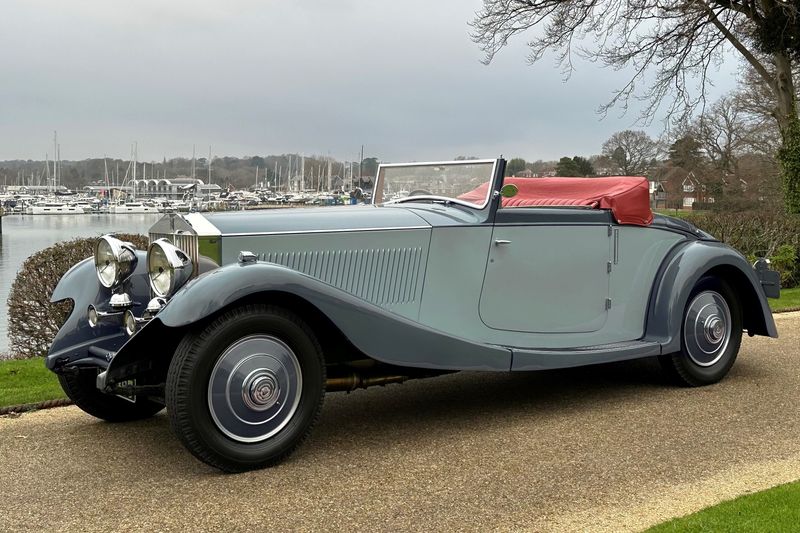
(711, 335)
(81, 389)
(245, 391)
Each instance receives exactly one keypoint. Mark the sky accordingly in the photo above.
(259, 77)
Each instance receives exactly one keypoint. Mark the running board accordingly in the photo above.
(544, 359)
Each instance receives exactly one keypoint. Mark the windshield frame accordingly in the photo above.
(492, 177)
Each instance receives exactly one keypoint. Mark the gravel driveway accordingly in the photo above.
(601, 448)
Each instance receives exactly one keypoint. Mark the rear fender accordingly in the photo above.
(679, 275)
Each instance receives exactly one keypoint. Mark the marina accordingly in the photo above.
(31, 223)
(135, 187)
(24, 235)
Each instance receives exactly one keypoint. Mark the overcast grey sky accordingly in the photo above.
(267, 76)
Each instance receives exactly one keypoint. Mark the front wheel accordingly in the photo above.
(245, 391)
(711, 334)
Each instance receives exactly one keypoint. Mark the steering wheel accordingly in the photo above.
(419, 192)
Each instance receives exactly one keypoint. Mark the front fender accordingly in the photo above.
(81, 286)
(373, 330)
(680, 273)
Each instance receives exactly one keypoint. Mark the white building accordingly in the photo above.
(175, 189)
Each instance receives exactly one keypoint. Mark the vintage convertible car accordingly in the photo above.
(240, 322)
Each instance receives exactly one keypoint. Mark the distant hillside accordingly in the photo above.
(239, 172)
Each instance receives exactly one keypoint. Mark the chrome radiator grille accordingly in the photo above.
(187, 242)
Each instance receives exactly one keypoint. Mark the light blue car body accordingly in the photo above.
(428, 285)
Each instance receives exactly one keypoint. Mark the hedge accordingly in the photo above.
(758, 234)
(33, 320)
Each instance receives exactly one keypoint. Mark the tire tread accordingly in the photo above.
(675, 364)
(180, 376)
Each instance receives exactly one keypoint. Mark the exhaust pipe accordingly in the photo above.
(357, 381)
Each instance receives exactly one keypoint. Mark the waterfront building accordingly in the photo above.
(175, 188)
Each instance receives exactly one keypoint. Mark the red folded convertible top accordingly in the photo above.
(627, 197)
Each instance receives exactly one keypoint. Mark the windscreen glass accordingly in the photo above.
(467, 182)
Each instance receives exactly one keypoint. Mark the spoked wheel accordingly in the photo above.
(245, 391)
(710, 335)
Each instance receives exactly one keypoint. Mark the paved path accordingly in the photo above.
(605, 448)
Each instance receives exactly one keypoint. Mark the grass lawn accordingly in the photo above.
(680, 213)
(790, 299)
(27, 381)
(774, 510)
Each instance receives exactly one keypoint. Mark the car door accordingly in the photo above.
(547, 277)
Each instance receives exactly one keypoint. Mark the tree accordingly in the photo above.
(685, 153)
(369, 166)
(583, 166)
(631, 151)
(602, 164)
(540, 167)
(515, 165)
(576, 166)
(566, 167)
(721, 132)
(756, 104)
(669, 46)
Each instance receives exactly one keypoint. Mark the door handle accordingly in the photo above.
(498, 242)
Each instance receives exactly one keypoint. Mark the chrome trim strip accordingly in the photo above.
(433, 163)
(343, 230)
(410, 199)
(438, 163)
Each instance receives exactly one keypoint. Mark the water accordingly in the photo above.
(24, 235)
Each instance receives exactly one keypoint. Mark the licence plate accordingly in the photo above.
(127, 383)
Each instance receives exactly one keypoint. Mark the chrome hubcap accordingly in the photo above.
(260, 390)
(254, 388)
(706, 329)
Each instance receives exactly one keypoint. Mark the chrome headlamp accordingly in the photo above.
(114, 260)
(168, 267)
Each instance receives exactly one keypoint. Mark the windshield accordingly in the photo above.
(463, 182)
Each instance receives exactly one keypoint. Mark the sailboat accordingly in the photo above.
(132, 207)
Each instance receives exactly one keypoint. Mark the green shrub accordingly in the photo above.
(772, 235)
(786, 262)
(33, 320)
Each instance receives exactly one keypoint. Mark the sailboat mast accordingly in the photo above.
(55, 170)
(135, 157)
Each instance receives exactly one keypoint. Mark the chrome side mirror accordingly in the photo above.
(509, 190)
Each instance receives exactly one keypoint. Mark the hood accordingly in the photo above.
(303, 220)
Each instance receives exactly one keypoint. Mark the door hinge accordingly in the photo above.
(609, 231)
(608, 267)
(608, 304)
